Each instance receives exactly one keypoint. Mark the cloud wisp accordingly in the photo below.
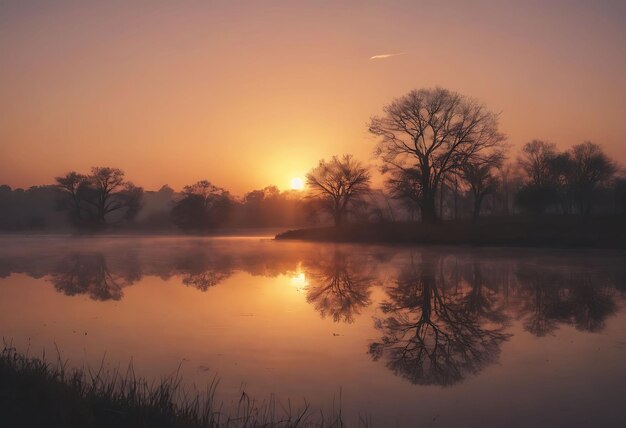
(388, 55)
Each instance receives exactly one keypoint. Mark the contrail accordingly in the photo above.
(383, 56)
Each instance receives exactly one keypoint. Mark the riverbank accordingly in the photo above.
(37, 393)
(548, 231)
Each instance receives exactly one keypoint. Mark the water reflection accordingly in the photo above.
(339, 285)
(551, 296)
(202, 269)
(434, 330)
(89, 274)
(444, 314)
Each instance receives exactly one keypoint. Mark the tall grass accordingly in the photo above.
(35, 392)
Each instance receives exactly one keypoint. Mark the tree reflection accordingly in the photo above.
(429, 335)
(446, 310)
(202, 270)
(591, 301)
(88, 274)
(339, 286)
(550, 297)
(484, 301)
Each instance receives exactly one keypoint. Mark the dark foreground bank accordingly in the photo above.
(37, 393)
(556, 231)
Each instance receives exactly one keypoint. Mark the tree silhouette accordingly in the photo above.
(70, 185)
(338, 184)
(567, 177)
(535, 160)
(432, 133)
(91, 199)
(202, 206)
(429, 337)
(591, 167)
(478, 173)
(339, 286)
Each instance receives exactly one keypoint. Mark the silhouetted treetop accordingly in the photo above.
(433, 132)
(338, 184)
(92, 200)
(203, 206)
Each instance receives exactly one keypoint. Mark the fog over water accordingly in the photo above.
(449, 336)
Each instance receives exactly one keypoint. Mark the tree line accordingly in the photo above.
(441, 154)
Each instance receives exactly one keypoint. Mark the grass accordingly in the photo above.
(37, 393)
(545, 231)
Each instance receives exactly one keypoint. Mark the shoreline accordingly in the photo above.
(549, 232)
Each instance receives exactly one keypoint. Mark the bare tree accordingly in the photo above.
(69, 185)
(591, 167)
(566, 178)
(478, 172)
(91, 199)
(433, 132)
(338, 184)
(535, 160)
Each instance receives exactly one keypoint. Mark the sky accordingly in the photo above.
(249, 94)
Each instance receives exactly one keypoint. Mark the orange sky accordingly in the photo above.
(247, 94)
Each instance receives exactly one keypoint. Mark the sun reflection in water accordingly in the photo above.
(298, 279)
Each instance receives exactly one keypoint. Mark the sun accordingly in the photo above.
(297, 183)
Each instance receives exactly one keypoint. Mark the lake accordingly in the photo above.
(399, 336)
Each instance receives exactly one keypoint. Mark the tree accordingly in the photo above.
(478, 173)
(568, 178)
(535, 161)
(591, 167)
(432, 133)
(561, 168)
(69, 185)
(338, 185)
(203, 206)
(92, 199)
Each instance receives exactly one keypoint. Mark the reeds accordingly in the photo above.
(35, 392)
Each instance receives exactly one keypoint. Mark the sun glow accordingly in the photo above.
(298, 280)
(297, 183)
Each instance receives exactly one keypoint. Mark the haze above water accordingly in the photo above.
(437, 336)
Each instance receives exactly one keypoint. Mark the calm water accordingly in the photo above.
(411, 336)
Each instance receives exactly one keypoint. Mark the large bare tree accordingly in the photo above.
(430, 133)
(337, 184)
(92, 199)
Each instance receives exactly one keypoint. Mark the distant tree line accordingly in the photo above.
(78, 202)
(441, 154)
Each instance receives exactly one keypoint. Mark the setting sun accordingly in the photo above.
(306, 198)
(297, 183)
